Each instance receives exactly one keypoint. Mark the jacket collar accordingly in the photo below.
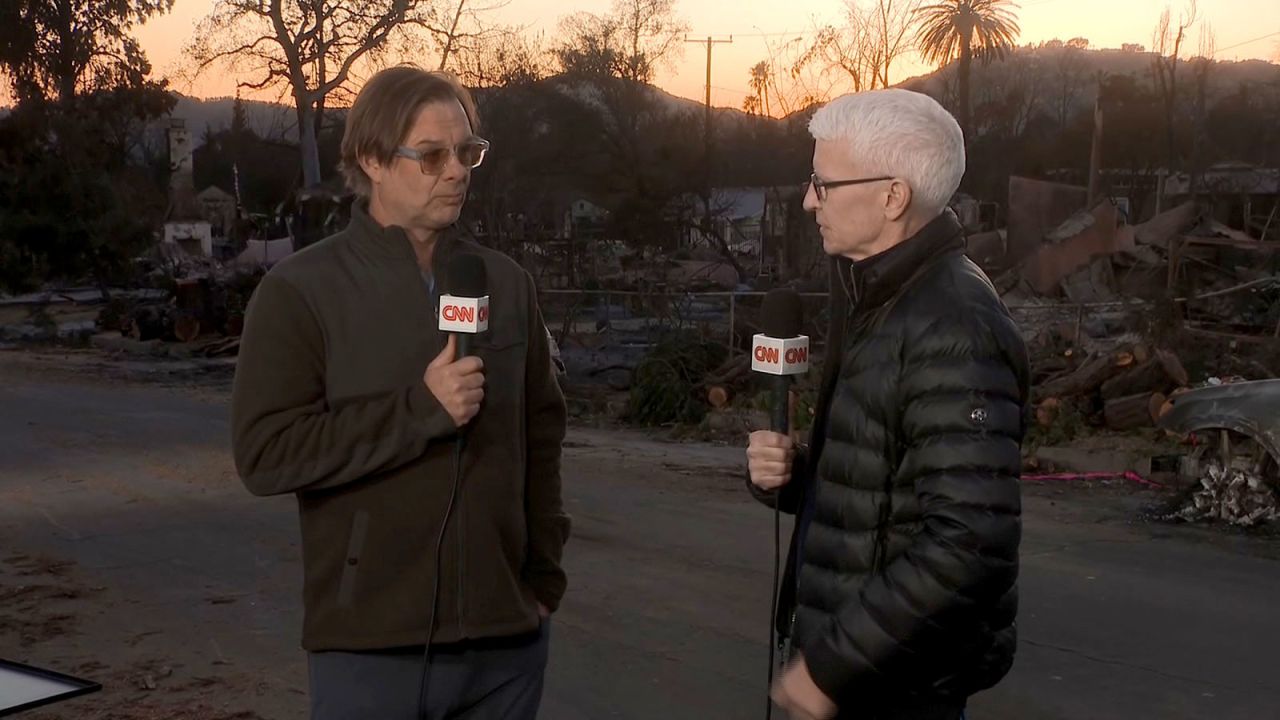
(871, 282)
(391, 241)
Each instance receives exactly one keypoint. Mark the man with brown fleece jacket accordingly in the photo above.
(347, 396)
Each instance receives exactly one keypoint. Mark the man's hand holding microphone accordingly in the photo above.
(769, 458)
(456, 382)
(778, 354)
(456, 377)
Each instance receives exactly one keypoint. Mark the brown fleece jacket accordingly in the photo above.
(329, 404)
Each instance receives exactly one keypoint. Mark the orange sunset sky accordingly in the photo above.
(1244, 29)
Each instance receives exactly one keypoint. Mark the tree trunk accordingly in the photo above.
(1084, 379)
(1133, 411)
(722, 244)
(966, 66)
(307, 143)
(1161, 373)
(453, 34)
(186, 327)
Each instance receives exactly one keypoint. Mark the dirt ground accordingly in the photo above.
(131, 555)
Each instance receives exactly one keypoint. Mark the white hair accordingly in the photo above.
(904, 134)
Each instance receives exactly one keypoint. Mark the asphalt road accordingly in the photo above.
(129, 553)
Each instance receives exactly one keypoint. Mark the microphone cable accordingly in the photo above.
(424, 678)
(773, 605)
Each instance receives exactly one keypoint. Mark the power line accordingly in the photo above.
(710, 42)
(1247, 42)
(777, 34)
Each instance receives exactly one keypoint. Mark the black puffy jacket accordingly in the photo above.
(908, 496)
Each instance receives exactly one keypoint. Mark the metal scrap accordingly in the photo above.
(1234, 494)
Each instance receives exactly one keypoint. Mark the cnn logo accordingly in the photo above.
(464, 314)
(780, 356)
(796, 355)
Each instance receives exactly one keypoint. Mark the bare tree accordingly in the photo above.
(794, 82)
(1020, 98)
(846, 52)
(1166, 43)
(1201, 68)
(466, 29)
(314, 49)
(1070, 75)
(890, 29)
(631, 42)
(504, 58)
(651, 33)
(863, 49)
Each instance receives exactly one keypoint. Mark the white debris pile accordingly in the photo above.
(1234, 494)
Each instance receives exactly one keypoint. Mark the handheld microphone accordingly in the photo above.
(464, 304)
(780, 351)
(464, 312)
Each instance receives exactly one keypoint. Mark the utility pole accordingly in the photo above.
(706, 157)
(1095, 153)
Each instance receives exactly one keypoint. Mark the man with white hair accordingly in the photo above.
(900, 598)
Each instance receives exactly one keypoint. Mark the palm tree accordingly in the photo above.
(760, 85)
(964, 29)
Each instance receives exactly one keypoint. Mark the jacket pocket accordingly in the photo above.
(504, 369)
(351, 561)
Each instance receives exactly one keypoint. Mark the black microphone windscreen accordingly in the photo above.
(465, 276)
(781, 313)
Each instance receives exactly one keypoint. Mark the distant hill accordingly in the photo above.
(267, 119)
(1046, 67)
(278, 121)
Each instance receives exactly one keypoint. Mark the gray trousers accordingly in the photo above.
(498, 679)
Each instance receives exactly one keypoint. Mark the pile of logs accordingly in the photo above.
(727, 380)
(1131, 387)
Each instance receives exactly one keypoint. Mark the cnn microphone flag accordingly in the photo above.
(780, 356)
(464, 314)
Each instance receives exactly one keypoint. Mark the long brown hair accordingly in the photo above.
(384, 112)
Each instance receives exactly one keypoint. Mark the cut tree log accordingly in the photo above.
(1162, 373)
(736, 369)
(186, 327)
(718, 396)
(1156, 405)
(1086, 378)
(1047, 411)
(1128, 413)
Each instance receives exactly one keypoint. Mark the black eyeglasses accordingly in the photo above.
(820, 186)
(470, 153)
